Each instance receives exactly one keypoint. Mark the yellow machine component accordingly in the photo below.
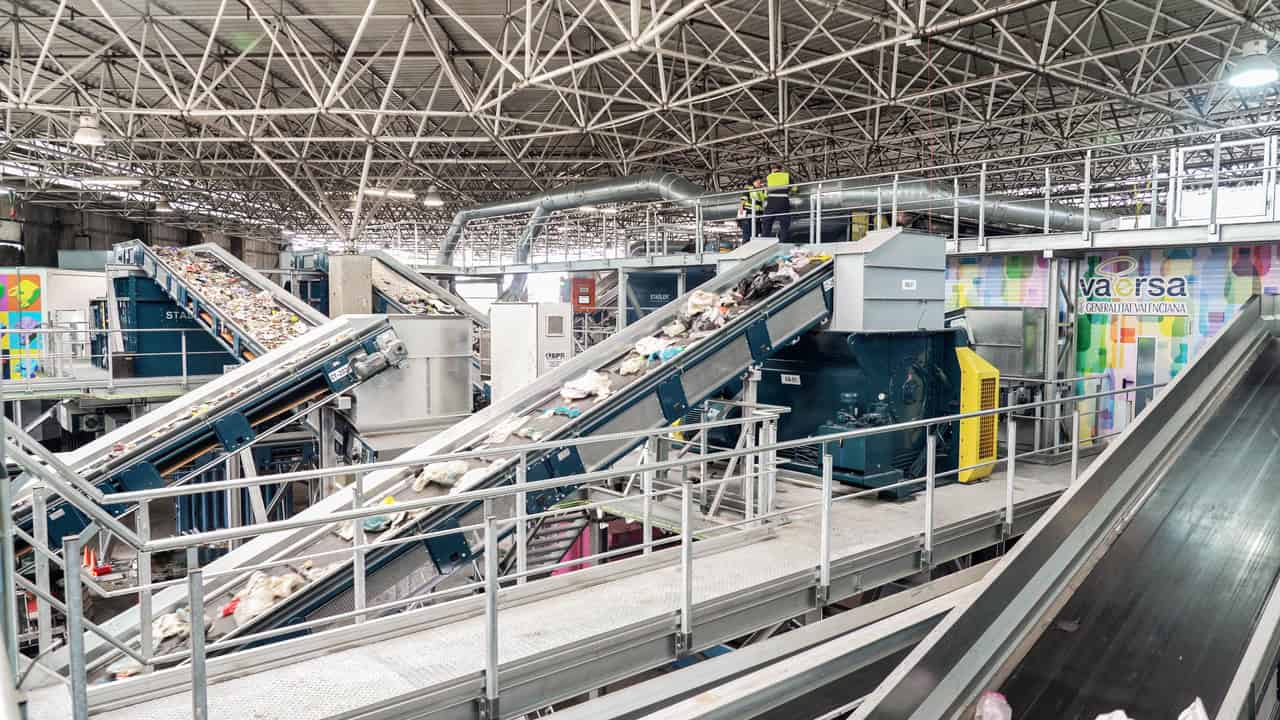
(979, 390)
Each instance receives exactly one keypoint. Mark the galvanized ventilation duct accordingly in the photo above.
(849, 196)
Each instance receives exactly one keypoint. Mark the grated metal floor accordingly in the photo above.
(357, 677)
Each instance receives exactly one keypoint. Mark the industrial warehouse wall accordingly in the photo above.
(1130, 349)
(47, 230)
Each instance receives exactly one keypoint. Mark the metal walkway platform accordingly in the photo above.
(562, 636)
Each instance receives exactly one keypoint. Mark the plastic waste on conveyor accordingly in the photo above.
(246, 312)
(297, 358)
(704, 341)
(403, 289)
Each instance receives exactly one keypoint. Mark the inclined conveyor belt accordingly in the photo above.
(1143, 588)
(285, 376)
(399, 288)
(1166, 614)
(656, 397)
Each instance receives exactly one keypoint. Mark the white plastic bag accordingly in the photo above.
(174, 624)
(504, 429)
(633, 365)
(261, 592)
(674, 329)
(993, 706)
(441, 473)
(589, 384)
(651, 346)
(1114, 715)
(700, 300)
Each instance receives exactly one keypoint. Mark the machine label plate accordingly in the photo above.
(789, 379)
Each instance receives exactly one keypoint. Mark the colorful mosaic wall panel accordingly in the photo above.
(997, 281)
(21, 308)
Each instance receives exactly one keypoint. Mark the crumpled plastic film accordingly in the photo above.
(647, 347)
(441, 473)
(674, 329)
(589, 384)
(265, 320)
(174, 624)
(700, 300)
(504, 429)
(633, 364)
(415, 299)
(261, 592)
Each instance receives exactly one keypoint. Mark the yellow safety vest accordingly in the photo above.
(778, 183)
(758, 196)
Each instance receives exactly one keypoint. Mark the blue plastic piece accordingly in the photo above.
(233, 431)
(672, 398)
(566, 411)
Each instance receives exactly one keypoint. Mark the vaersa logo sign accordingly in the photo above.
(1118, 289)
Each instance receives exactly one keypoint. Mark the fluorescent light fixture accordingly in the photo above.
(1255, 67)
(390, 194)
(609, 211)
(88, 133)
(163, 206)
(433, 198)
(113, 180)
(589, 209)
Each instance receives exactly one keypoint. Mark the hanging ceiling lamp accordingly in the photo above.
(1255, 67)
(88, 133)
(433, 198)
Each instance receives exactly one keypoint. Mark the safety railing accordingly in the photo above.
(95, 356)
(1211, 178)
(743, 475)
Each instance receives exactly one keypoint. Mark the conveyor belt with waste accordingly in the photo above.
(1143, 589)
(239, 306)
(398, 288)
(658, 394)
(288, 373)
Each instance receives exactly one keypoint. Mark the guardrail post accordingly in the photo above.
(930, 470)
(147, 647)
(1213, 190)
(684, 641)
(183, 335)
(522, 525)
(893, 217)
(40, 526)
(1047, 193)
(199, 678)
(704, 447)
(1084, 204)
(357, 550)
(111, 375)
(824, 528)
(77, 672)
(955, 210)
(646, 502)
(489, 704)
(697, 227)
(982, 205)
(1075, 445)
(1010, 464)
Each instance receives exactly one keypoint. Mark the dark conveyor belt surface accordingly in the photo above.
(1165, 615)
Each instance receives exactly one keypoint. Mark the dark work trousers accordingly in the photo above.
(777, 212)
(745, 223)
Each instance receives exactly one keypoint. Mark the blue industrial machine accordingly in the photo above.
(143, 305)
(313, 279)
(648, 291)
(835, 382)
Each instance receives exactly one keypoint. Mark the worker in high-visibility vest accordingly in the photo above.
(751, 207)
(777, 207)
